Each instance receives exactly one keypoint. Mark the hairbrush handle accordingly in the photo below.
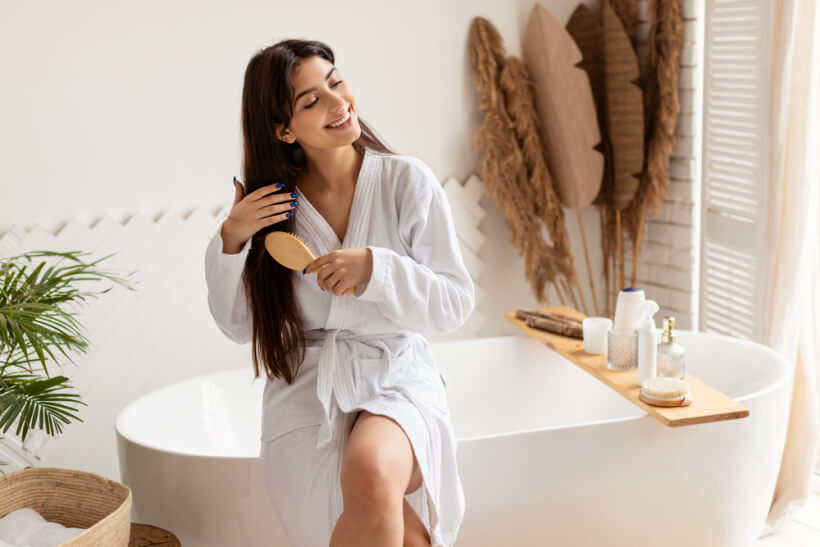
(291, 251)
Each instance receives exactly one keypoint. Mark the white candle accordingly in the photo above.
(595, 330)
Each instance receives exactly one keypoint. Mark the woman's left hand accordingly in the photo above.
(339, 270)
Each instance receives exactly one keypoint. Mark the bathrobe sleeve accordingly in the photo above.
(226, 293)
(429, 291)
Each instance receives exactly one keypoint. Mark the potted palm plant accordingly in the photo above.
(39, 301)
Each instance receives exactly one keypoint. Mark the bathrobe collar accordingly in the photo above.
(324, 240)
(321, 232)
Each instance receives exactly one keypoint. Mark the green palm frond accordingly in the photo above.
(39, 299)
(35, 314)
(37, 401)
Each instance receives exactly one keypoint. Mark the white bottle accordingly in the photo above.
(647, 343)
(628, 308)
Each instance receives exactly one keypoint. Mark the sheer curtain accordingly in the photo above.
(791, 310)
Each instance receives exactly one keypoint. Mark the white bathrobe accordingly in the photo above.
(364, 351)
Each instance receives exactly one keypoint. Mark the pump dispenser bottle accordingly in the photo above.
(671, 355)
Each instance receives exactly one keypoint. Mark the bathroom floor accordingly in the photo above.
(804, 530)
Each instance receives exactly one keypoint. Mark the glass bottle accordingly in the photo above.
(671, 355)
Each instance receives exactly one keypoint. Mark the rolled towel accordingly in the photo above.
(4, 544)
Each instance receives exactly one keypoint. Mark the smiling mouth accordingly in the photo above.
(347, 123)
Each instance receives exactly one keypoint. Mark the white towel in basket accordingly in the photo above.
(27, 528)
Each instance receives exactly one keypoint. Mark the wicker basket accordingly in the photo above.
(76, 499)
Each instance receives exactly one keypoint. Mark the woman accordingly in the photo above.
(357, 442)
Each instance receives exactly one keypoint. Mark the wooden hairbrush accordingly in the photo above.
(291, 251)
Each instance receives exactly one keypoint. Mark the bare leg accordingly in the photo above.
(377, 468)
(375, 530)
(415, 534)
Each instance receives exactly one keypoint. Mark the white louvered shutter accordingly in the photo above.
(736, 129)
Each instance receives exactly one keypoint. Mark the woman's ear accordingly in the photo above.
(284, 134)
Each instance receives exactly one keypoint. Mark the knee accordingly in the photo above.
(367, 484)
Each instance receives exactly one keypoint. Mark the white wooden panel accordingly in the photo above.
(736, 125)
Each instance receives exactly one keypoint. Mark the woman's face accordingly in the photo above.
(322, 97)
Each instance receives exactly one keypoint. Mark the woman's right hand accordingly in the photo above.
(262, 207)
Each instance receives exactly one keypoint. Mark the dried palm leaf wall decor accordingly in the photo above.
(517, 88)
(660, 111)
(513, 174)
(624, 104)
(510, 170)
(627, 12)
(566, 109)
(611, 65)
(586, 29)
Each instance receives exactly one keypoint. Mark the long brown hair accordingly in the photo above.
(278, 339)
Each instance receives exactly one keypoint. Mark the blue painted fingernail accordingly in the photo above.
(303, 271)
(288, 215)
(234, 181)
(294, 204)
(280, 185)
(294, 195)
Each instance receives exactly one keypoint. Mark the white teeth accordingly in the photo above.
(344, 121)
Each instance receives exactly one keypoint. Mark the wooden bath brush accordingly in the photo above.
(661, 391)
(291, 251)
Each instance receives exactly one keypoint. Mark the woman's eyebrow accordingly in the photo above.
(305, 92)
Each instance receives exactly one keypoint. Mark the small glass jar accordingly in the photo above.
(622, 349)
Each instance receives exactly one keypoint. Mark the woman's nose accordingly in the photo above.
(341, 104)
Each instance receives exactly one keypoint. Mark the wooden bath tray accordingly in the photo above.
(708, 404)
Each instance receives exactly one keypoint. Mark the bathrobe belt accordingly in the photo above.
(340, 377)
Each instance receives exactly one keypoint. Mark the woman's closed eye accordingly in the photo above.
(317, 100)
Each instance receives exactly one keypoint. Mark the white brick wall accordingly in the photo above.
(669, 259)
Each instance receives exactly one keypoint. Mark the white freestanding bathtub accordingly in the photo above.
(549, 456)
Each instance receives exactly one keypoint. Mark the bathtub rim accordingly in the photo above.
(784, 375)
(169, 452)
